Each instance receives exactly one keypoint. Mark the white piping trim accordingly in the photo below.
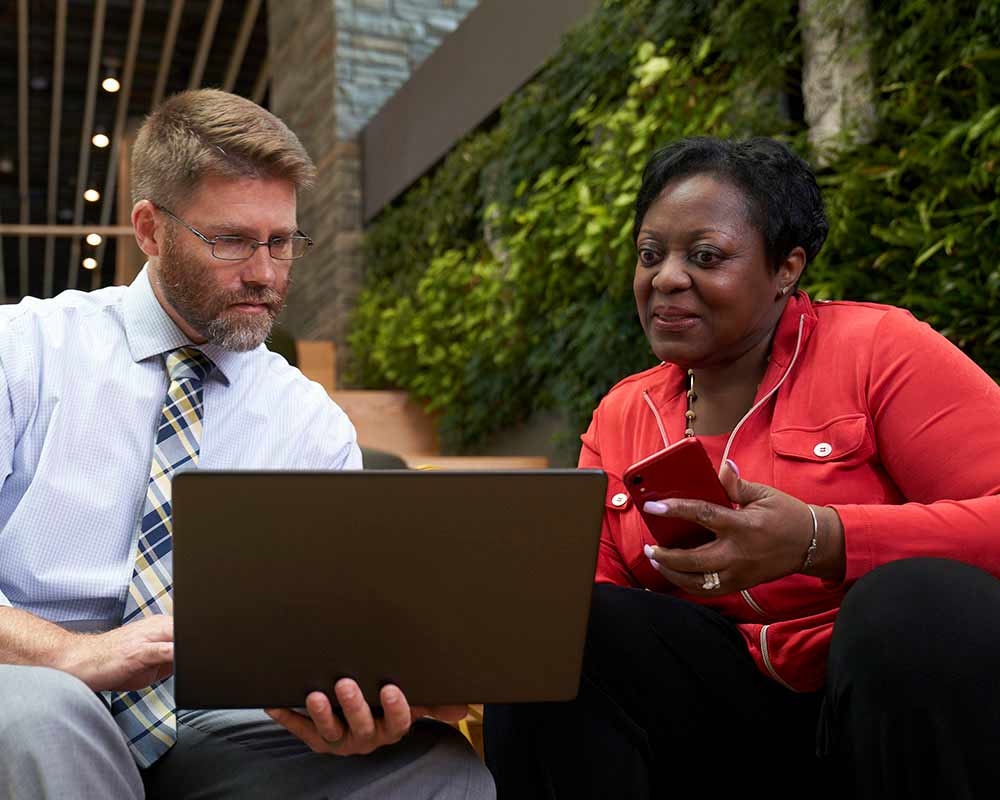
(752, 603)
(766, 657)
(656, 416)
(745, 593)
(766, 397)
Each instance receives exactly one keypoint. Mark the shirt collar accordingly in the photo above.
(150, 332)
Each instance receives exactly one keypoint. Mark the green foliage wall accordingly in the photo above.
(501, 284)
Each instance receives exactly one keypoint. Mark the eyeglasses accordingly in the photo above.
(240, 248)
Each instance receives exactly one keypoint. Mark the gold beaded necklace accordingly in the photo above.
(692, 396)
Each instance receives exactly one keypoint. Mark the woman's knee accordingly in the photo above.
(917, 620)
(619, 628)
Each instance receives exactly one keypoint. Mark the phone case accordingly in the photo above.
(681, 470)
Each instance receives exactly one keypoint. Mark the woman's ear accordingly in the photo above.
(148, 235)
(789, 271)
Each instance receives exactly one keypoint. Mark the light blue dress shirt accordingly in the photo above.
(82, 384)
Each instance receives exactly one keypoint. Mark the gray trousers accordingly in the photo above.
(58, 740)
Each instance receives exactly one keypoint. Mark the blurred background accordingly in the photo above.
(469, 294)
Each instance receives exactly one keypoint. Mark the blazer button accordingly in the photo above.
(823, 449)
(619, 499)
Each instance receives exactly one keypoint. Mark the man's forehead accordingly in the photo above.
(244, 202)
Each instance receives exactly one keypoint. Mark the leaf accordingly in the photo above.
(985, 123)
(929, 252)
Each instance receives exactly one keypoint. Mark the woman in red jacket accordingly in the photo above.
(842, 630)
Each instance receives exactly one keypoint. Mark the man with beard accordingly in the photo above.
(103, 397)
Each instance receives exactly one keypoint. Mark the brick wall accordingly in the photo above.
(333, 65)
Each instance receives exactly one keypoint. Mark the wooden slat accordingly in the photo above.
(387, 420)
(239, 48)
(207, 32)
(3, 270)
(83, 166)
(418, 461)
(65, 230)
(55, 131)
(167, 54)
(121, 117)
(318, 361)
(22, 137)
(263, 79)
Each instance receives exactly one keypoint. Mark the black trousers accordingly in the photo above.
(670, 701)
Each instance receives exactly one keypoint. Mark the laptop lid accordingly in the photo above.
(458, 586)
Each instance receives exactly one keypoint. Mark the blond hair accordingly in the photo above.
(205, 132)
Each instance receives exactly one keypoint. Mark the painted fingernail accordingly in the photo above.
(390, 695)
(648, 551)
(654, 565)
(655, 507)
(733, 467)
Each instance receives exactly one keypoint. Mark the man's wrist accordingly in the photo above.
(32, 641)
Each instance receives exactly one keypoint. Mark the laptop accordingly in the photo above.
(457, 586)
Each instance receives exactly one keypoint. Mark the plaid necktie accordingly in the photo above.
(147, 715)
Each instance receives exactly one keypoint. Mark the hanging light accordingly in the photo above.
(94, 239)
(110, 82)
(89, 263)
(91, 195)
(100, 139)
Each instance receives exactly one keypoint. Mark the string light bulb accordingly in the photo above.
(94, 239)
(111, 84)
(89, 263)
(91, 195)
(100, 140)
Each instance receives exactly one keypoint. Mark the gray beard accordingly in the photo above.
(182, 289)
(238, 337)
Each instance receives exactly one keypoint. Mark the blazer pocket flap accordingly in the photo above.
(832, 441)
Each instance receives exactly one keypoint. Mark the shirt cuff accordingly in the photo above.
(857, 541)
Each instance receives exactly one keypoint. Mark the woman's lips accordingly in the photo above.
(669, 320)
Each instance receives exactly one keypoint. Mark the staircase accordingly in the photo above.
(392, 422)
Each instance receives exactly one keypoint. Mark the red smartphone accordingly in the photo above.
(681, 470)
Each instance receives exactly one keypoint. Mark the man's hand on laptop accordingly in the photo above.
(325, 732)
(130, 657)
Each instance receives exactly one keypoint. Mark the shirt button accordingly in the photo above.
(619, 499)
(823, 449)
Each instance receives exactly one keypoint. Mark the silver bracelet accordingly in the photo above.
(811, 552)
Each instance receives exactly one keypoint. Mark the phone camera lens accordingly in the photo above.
(637, 480)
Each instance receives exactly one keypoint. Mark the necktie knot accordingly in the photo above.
(187, 363)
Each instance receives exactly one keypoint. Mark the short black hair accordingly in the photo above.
(783, 199)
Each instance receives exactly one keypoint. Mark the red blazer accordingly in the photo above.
(910, 460)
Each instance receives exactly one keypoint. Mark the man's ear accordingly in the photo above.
(789, 271)
(148, 230)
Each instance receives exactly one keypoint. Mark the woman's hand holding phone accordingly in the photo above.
(682, 470)
(763, 538)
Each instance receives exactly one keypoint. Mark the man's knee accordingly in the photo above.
(38, 699)
(463, 774)
(57, 739)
